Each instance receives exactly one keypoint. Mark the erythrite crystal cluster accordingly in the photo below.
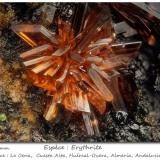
(78, 68)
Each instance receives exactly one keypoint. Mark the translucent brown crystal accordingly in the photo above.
(78, 69)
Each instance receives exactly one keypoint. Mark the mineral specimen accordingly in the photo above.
(145, 21)
(78, 69)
